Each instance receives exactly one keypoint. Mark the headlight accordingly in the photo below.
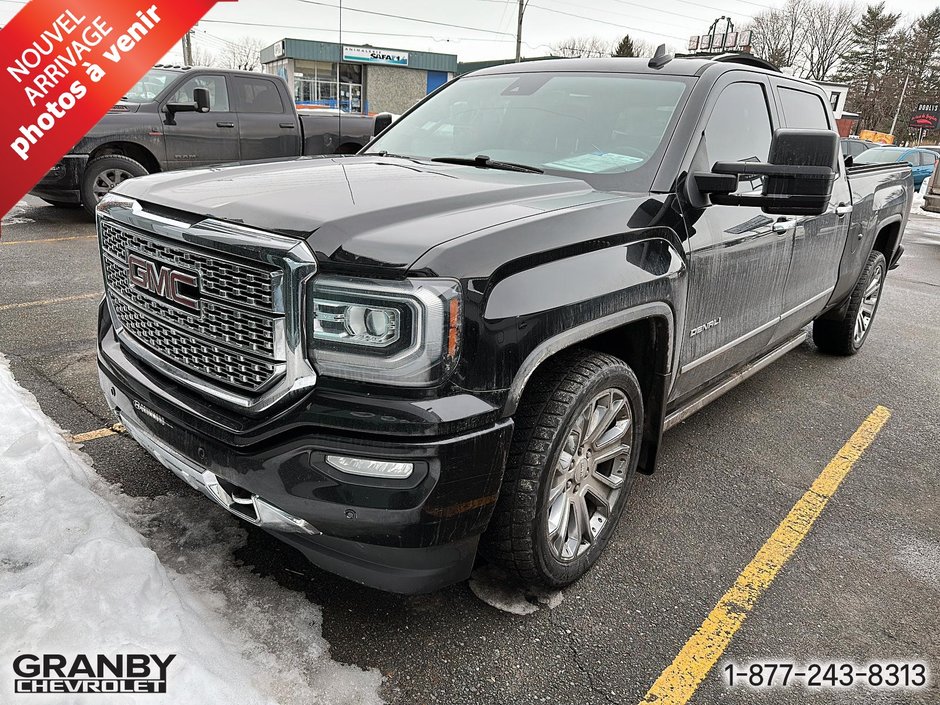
(399, 333)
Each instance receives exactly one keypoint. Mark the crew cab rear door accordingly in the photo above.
(200, 139)
(267, 123)
(818, 241)
(738, 259)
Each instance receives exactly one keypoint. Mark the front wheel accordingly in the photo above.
(103, 174)
(571, 466)
(846, 335)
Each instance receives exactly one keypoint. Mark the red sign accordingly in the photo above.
(64, 63)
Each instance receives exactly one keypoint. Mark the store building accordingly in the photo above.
(357, 78)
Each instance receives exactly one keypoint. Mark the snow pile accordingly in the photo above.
(494, 587)
(76, 578)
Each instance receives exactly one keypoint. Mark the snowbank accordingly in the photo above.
(76, 578)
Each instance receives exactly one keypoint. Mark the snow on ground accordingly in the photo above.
(493, 586)
(76, 578)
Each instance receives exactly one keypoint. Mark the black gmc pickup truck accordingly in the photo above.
(179, 117)
(473, 334)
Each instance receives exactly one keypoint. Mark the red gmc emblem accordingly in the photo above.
(171, 284)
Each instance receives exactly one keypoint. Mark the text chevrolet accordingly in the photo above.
(473, 334)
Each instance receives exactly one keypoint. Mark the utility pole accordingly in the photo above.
(522, 6)
(894, 122)
(188, 48)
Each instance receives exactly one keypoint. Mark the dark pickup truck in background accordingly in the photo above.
(474, 333)
(179, 117)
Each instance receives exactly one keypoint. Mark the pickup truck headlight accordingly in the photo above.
(400, 333)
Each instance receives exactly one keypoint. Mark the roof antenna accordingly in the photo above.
(660, 58)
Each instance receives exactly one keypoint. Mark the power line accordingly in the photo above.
(610, 24)
(403, 17)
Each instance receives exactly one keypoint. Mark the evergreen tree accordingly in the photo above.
(625, 48)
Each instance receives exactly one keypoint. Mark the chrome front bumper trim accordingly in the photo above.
(251, 507)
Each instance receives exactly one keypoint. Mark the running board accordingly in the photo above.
(681, 414)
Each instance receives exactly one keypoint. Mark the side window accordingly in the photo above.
(218, 95)
(803, 110)
(739, 129)
(257, 95)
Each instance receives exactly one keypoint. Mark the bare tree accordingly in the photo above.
(829, 32)
(243, 54)
(631, 46)
(779, 33)
(203, 57)
(584, 47)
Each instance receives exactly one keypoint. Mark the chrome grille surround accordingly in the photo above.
(244, 346)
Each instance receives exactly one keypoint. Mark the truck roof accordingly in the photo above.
(678, 66)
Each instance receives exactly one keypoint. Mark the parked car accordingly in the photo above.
(473, 334)
(180, 117)
(922, 161)
(852, 146)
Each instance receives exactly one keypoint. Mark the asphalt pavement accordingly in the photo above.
(863, 586)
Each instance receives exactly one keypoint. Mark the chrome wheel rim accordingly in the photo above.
(589, 474)
(107, 180)
(869, 303)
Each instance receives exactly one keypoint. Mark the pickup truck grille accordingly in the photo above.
(231, 338)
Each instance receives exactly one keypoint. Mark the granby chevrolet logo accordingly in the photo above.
(100, 673)
(173, 285)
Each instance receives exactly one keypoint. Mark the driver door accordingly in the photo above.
(201, 139)
(739, 256)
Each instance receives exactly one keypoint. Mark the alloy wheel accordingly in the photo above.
(107, 180)
(589, 474)
(869, 303)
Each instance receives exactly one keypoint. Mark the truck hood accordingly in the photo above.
(368, 211)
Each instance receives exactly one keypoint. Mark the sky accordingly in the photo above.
(486, 28)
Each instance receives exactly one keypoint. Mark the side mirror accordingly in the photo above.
(382, 121)
(797, 178)
(200, 104)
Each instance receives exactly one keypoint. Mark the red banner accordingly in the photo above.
(64, 63)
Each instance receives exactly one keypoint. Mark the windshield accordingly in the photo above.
(606, 128)
(878, 156)
(150, 86)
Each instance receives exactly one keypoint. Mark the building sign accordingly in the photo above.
(926, 116)
(370, 55)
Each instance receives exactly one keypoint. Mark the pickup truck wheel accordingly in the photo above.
(846, 335)
(103, 174)
(571, 466)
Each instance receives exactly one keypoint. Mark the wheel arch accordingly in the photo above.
(132, 150)
(643, 337)
(888, 237)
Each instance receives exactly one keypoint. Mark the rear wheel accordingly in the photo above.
(846, 335)
(105, 173)
(570, 469)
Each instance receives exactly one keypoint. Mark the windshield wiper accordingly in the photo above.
(383, 153)
(484, 162)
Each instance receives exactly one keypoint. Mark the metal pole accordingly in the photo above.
(898, 112)
(522, 4)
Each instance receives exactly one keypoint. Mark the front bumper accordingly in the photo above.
(62, 183)
(413, 535)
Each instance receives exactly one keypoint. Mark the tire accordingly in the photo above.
(99, 172)
(846, 335)
(61, 204)
(549, 419)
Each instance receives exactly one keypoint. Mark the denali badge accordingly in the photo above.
(702, 328)
(171, 284)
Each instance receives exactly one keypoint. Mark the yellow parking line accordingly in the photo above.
(59, 300)
(678, 683)
(48, 239)
(100, 433)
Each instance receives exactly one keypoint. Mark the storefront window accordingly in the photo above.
(317, 83)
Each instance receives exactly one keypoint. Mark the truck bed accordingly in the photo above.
(330, 132)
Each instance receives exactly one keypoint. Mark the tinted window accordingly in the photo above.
(257, 95)
(596, 126)
(802, 110)
(218, 95)
(879, 155)
(738, 129)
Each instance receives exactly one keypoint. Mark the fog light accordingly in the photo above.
(370, 468)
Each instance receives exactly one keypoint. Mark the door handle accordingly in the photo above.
(784, 226)
(843, 210)
(225, 124)
(287, 125)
